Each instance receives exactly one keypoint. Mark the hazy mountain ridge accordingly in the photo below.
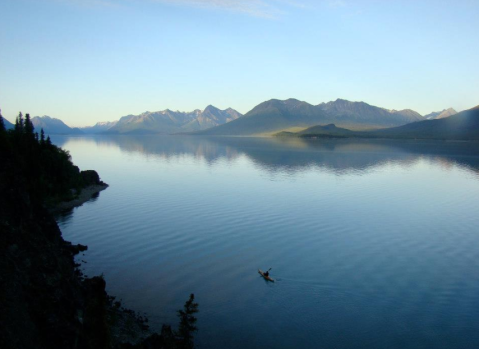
(99, 127)
(8, 124)
(460, 126)
(275, 115)
(53, 126)
(168, 121)
(269, 116)
(341, 108)
(266, 118)
(440, 114)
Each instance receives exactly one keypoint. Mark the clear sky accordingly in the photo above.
(85, 61)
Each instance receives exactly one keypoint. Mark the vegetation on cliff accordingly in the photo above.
(47, 169)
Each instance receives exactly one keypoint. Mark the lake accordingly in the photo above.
(373, 244)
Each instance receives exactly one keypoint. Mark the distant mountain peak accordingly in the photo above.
(294, 100)
(341, 100)
(53, 126)
(44, 117)
(440, 114)
(210, 108)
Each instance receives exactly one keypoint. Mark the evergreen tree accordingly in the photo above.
(29, 128)
(29, 131)
(19, 124)
(42, 137)
(187, 323)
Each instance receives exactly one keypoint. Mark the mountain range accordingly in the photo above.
(168, 121)
(463, 126)
(275, 115)
(165, 122)
(266, 118)
(460, 126)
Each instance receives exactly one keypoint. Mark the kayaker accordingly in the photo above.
(266, 273)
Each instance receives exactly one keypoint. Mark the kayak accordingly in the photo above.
(266, 277)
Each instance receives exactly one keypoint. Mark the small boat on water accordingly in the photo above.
(265, 276)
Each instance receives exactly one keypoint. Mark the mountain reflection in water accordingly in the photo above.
(341, 156)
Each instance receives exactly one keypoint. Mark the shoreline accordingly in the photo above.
(85, 195)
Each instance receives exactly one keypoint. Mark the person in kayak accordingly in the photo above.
(266, 273)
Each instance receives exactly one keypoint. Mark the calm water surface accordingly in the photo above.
(373, 244)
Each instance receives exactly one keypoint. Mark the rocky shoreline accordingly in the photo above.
(85, 195)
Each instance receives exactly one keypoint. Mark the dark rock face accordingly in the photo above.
(45, 302)
(40, 289)
(91, 177)
(95, 317)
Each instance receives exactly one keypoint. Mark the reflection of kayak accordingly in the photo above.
(266, 277)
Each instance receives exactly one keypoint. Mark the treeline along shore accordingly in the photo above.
(45, 300)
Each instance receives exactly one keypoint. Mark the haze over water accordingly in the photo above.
(373, 244)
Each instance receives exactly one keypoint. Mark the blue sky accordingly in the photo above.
(85, 61)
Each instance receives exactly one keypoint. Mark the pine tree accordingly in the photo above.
(29, 128)
(187, 323)
(42, 137)
(19, 124)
